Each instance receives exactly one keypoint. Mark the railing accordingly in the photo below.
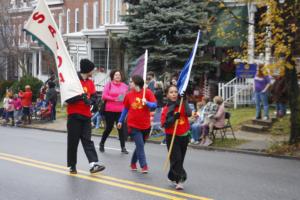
(238, 91)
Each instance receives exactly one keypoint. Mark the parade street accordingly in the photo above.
(33, 166)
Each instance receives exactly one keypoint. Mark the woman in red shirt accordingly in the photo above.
(138, 108)
(170, 114)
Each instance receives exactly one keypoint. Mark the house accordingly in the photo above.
(89, 29)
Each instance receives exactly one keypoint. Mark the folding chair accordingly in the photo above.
(223, 130)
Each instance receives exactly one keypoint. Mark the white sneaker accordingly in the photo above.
(179, 186)
(192, 141)
(266, 118)
(196, 142)
(207, 142)
(172, 183)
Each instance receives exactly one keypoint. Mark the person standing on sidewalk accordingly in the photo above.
(26, 100)
(51, 97)
(177, 175)
(79, 121)
(138, 119)
(113, 94)
(261, 87)
(18, 109)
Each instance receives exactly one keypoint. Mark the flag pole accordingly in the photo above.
(182, 85)
(173, 136)
(145, 72)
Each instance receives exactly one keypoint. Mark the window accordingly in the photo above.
(37, 63)
(95, 15)
(20, 34)
(76, 28)
(14, 36)
(68, 21)
(85, 15)
(100, 58)
(118, 5)
(107, 12)
(24, 34)
(29, 63)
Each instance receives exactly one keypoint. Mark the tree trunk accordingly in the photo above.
(294, 101)
(294, 93)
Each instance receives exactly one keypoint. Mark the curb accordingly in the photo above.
(207, 148)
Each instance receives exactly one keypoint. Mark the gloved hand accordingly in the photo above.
(176, 115)
(85, 99)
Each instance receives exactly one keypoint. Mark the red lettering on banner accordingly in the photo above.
(38, 17)
(61, 77)
(59, 61)
(52, 30)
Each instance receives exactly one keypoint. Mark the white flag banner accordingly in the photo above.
(43, 27)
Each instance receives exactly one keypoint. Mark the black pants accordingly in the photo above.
(177, 172)
(111, 118)
(53, 110)
(79, 128)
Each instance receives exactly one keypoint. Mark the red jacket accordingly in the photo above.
(26, 98)
(183, 125)
(79, 107)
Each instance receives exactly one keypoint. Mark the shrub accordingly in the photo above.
(34, 83)
(3, 86)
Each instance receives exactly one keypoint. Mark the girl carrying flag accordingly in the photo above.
(170, 114)
(137, 104)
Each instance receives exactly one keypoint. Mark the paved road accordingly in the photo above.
(32, 164)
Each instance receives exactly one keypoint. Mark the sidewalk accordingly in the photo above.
(255, 142)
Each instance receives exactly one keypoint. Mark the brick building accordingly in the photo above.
(89, 28)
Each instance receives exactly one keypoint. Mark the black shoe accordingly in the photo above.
(101, 148)
(97, 168)
(124, 150)
(73, 170)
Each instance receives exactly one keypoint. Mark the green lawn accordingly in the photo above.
(240, 116)
(282, 126)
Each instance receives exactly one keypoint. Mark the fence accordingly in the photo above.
(238, 92)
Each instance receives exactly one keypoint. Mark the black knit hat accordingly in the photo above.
(86, 66)
(51, 84)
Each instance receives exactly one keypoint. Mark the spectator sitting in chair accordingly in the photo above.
(46, 111)
(37, 107)
(199, 120)
(214, 117)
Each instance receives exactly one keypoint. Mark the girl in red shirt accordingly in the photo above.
(138, 108)
(170, 114)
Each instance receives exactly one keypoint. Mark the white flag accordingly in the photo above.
(42, 26)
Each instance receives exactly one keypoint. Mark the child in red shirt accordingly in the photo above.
(138, 120)
(170, 114)
(26, 100)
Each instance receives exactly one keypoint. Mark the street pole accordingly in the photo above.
(107, 61)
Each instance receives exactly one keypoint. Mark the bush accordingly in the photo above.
(34, 83)
(3, 86)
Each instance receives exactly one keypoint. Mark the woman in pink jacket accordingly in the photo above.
(114, 93)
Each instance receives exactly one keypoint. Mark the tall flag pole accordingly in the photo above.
(145, 72)
(43, 28)
(182, 84)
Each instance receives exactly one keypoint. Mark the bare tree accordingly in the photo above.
(11, 55)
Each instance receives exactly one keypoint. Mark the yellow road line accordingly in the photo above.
(186, 195)
(94, 179)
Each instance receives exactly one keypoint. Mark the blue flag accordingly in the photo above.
(185, 73)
